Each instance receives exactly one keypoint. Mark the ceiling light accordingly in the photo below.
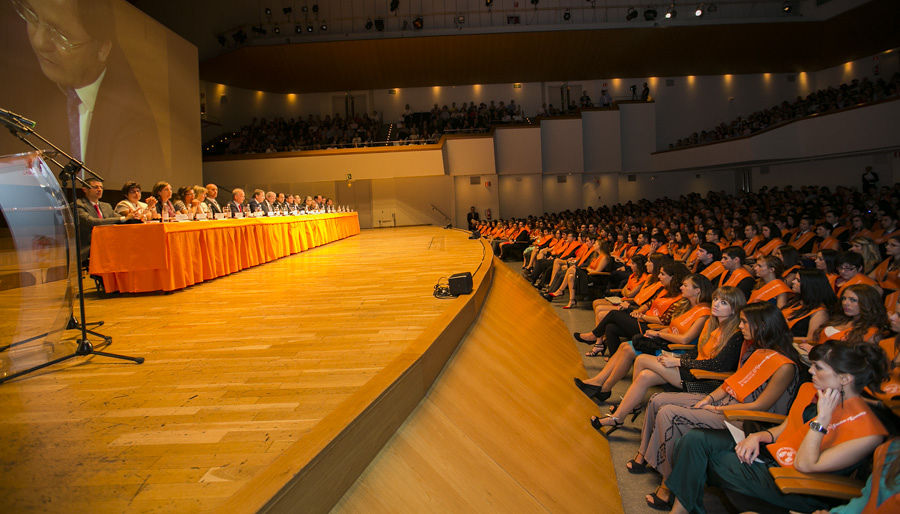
(316, 8)
(632, 14)
(699, 11)
(567, 15)
(418, 23)
(298, 29)
(309, 28)
(650, 14)
(323, 27)
(787, 7)
(276, 29)
(671, 13)
(268, 11)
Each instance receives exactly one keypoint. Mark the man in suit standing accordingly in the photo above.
(92, 212)
(256, 200)
(237, 203)
(212, 191)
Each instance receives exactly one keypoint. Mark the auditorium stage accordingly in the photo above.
(274, 388)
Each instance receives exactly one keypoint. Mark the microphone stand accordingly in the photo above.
(68, 172)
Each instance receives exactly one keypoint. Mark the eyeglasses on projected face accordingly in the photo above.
(60, 40)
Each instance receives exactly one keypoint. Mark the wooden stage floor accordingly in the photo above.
(239, 370)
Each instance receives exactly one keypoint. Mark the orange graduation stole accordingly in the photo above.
(734, 278)
(829, 243)
(768, 291)
(891, 387)
(769, 247)
(800, 240)
(661, 304)
(851, 420)
(890, 504)
(647, 292)
(756, 371)
(713, 271)
(683, 322)
(886, 278)
(859, 278)
(750, 246)
(788, 313)
(704, 351)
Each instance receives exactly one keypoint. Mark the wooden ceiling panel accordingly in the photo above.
(559, 55)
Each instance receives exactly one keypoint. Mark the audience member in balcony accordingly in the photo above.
(585, 100)
(605, 99)
(645, 93)
(842, 433)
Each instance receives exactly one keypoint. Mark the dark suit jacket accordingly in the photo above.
(88, 219)
(235, 208)
(266, 207)
(254, 205)
(213, 205)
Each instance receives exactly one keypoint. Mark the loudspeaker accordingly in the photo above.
(460, 283)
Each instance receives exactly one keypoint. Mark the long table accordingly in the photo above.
(169, 256)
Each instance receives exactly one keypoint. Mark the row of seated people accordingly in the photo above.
(857, 92)
(312, 133)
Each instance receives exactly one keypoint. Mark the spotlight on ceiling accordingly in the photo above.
(323, 27)
(418, 23)
(631, 14)
(268, 11)
(395, 4)
(276, 29)
(698, 12)
(787, 7)
(671, 13)
(287, 10)
(650, 14)
(298, 29)
(567, 15)
(369, 24)
(379, 24)
(309, 28)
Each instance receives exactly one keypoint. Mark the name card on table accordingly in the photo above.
(271, 213)
(201, 216)
(219, 215)
(238, 215)
(181, 217)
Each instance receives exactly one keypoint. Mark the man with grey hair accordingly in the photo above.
(268, 205)
(237, 203)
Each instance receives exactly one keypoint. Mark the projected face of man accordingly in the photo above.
(66, 52)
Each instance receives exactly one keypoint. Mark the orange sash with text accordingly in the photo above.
(756, 371)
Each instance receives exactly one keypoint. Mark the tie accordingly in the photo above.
(72, 103)
(97, 207)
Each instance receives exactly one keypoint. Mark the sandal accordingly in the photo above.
(598, 425)
(596, 350)
(637, 468)
(635, 412)
(659, 504)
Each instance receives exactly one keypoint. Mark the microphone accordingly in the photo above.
(21, 120)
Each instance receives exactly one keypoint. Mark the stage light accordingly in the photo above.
(567, 15)
(298, 29)
(276, 29)
(309, 28)
(323, 27)
(379, 24)
(287, 10)
(369, 24)
(787, 7)
(304, 9)
(671, 12)
(699, 11)
(650, 14)
(418, 23)
(268, 11)
(395, 4)
(632, 14)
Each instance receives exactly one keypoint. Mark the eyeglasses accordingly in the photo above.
(847, 267)
(62, 42)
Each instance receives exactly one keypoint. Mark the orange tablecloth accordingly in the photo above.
(169, 256)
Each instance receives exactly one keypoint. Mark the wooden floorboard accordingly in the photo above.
(239, 372)
(503, 429)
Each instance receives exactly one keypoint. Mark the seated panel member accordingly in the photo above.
(212, 192)
(236, 204)
(92, 212)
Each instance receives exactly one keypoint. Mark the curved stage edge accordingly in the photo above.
(312, 476)
(503, 429)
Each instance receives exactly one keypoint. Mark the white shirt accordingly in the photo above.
(88, 97)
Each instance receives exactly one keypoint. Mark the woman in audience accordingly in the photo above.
(882, 490)
(771, 239)
(766, 381)
(581, 278)
(808, 308)
(133, 203)
(869, 251)
(539, 239)
(826, 262)
(533, 257)
(850, 272)
(890, 390)
(688, 319)
(829, 429)
(769, 288)
(887, 274)
(163, 193)
(652, 288)
(861, 318)
(790, 261)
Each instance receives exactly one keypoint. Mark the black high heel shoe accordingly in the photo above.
(591, 391)
(598, 425)
(577, 336)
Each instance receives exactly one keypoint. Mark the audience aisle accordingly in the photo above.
(623, 444)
